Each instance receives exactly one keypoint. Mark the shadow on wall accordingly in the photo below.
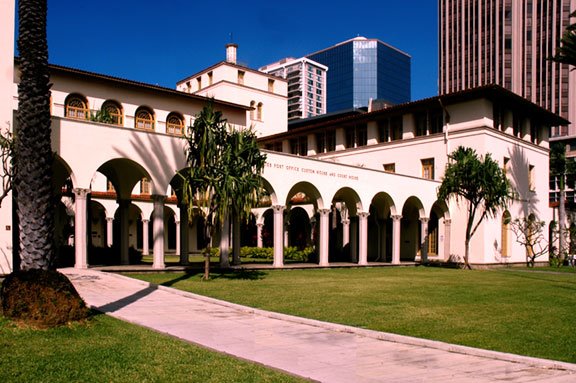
(522, 175)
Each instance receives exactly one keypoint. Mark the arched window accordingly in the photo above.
(77, 107)
(259, 112)
(144, 119)
(252, 109)
(504, 234)
(113, 111)
(175, 124)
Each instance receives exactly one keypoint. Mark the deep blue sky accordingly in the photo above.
(161, 42)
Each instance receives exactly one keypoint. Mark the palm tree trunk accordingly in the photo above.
(33, 152)
(236, 240)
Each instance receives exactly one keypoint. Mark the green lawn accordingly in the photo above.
(108, 350)
(517, 311)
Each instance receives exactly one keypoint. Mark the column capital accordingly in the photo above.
(363, 214)
(396, 217)
(110, 219)
(345, 222)
(424, 219)
(259, 225)
(145, 220)
(324, 211)
(447, 221)
(278, 208)
(81, 193)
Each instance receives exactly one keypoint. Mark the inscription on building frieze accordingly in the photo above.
(320, 172)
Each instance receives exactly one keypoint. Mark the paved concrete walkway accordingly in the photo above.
(317, 350)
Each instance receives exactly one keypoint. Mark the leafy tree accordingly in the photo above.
(566, 52)
(223, 174)
(477, 181)
(530, 233)
(7, 158)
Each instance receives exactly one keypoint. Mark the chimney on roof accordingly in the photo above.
(231, 50)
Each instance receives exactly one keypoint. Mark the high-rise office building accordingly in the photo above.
(362, 69)
(510, 43)
(306, 85)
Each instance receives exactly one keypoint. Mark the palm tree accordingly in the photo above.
(33, 152)
(223, 174)
(560, 167)
(245, 164)
(479, 182)
(36, 294)
(566, 52)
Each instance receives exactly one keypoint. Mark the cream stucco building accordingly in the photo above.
(359, 189)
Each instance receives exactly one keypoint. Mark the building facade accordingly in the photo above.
(362, 69)
(359, 189)
(264, 94)
(306, 85)
(510, 43)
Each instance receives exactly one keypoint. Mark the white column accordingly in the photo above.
(324, 237)
(396, 239)
(124, 206)
(184, 232)
(158, 231)
(424, 239)
(259, 227)
(345, 232)
(109, 231)
(80, 228)
(145, 239)
(447, 228)
(363, 245)
(278, 235)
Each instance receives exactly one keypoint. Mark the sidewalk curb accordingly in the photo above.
(402, 339)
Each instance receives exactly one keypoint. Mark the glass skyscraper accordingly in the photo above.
(361, 69)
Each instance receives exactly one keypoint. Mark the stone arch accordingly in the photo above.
(343, 225)
(310, 194)
(124, 174)
(380, 237)
(411, 229)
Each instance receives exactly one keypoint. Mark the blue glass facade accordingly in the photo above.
(361, 69)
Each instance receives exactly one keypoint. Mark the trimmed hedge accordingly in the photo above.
(290, 253)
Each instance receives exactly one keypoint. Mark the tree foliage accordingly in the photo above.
(566, 52)
(530, 233)
(560, 167)
(478, 182)
(224, 171)
(7, 158)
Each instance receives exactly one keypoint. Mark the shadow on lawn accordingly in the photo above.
(540, 276)
(249, 275)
